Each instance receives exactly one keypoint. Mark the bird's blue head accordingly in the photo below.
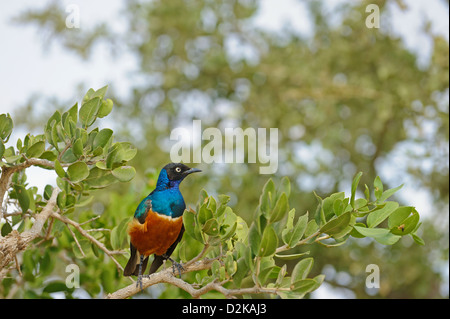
(172, 175)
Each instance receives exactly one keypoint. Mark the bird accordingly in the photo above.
(157, 226)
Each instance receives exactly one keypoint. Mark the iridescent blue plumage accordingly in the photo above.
(166, 199)
(153, 234)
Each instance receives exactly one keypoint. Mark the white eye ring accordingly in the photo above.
(178, 169)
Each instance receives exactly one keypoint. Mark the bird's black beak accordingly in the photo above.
(192, 170)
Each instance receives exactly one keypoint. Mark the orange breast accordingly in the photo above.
(156, 235)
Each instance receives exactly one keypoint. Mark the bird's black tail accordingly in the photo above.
(132, 267)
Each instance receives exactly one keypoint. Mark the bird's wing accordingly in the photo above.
(142, 210)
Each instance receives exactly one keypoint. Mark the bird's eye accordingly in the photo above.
(178, 169)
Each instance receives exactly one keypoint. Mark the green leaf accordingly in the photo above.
(280, 210)
(88, 111)
(119, 234)
(355, 233)
(418, 239)
(337, 224)
(115, 155)
(78, 171)
(320, 213)
(36, 149)
(311, 228)
(254, 238)
(48, 190)
(302, 269)
(54, 136)
(56, 286)
(338, 207)
(211, 227)
(367, 192)
(399, 215)
(129, 151)
(265, 200)
(99, 178)
(360, 203)
(292, 235)
(189, 222)
(292, 256)
(102, 138)
(77, 147)
(241, 272)
(355, 187)
(304, 286)
(59, 169)
(269, 242)
(229, 223)
(100, 92)
(22, 197)
(48, 155)
(383, 236)
(6, 126)
(61, 199)
(389, 193)
(378, 187)
(2, 149)
(124, 173)
(376, 217)
(89, 94)
(73, 112)
(204, 214)
(224, 199)
(215, 267)
(6, 229)
(105, 108)
(406, 226)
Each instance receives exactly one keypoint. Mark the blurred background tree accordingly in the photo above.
(345, 99)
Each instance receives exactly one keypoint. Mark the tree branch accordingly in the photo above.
(15, 242)
(164, 276)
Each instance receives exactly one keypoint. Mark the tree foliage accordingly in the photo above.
(240, 258)
(345, 99)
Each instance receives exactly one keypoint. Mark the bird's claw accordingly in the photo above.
(178, 266)
(175, 264)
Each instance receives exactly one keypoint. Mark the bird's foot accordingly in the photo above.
(178, 266)
(175, 265)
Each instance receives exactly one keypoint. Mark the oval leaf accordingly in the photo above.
(302, 269)
(376, 217)
(88, 111)
(36, 149)
(102, 138)
(336, 225)
(269, 242)
(124, 173)
(280, 210)
(78, 171)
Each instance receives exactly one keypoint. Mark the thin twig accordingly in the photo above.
(76, 241)
(89, 237)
